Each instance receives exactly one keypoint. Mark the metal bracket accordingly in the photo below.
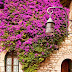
(65, 16)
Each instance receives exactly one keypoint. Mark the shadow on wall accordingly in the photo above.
(1, 4)
(65, 3)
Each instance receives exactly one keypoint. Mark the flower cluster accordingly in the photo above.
(22, 28)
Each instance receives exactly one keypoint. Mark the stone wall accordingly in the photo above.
(53, 63)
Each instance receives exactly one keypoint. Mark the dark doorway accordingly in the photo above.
(66, 66)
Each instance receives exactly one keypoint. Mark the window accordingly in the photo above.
(11, 62)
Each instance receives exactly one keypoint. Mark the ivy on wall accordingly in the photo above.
(22, 28)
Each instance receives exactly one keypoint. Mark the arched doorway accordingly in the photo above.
(11, 62)
(66, 66)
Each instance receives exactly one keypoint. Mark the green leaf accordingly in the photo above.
(32, 68)
(31, 55)
(41, 59)
(24, 66)
(38, 49)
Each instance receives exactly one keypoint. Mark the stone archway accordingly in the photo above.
(60, 61)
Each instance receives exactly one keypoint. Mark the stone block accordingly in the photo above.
(45, 68)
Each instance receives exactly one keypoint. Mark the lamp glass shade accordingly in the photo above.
(50, 28)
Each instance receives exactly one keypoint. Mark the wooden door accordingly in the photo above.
(65, 66)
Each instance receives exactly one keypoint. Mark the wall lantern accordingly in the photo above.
(1, 4)
(50, 24)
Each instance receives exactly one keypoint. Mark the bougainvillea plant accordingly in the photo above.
(22, 28)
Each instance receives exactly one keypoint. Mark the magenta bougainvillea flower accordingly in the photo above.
(22, 28)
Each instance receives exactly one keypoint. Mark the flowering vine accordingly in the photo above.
(22, 28)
